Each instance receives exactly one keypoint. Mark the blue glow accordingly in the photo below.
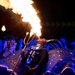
(64, 42)
(1, 46)
(28, 61)
(73, 44)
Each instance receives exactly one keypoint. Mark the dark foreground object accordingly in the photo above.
(5, 71)
(68, 72)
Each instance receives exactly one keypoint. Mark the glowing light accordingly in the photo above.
(27, 33)
(3, 28)
(25, 8)
(26, 36)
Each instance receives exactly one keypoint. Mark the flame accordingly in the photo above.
(28, 13)
(3, 28)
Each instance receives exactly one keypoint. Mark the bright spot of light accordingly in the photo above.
(3, 28)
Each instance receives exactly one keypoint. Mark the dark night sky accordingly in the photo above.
(57, 19)
(56, 10)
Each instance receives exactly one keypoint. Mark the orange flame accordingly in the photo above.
(25, 8)
(3, 28)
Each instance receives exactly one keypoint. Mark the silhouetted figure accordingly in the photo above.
(34, 59)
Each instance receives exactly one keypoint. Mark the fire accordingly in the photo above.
(28, 13)
(3, 28)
